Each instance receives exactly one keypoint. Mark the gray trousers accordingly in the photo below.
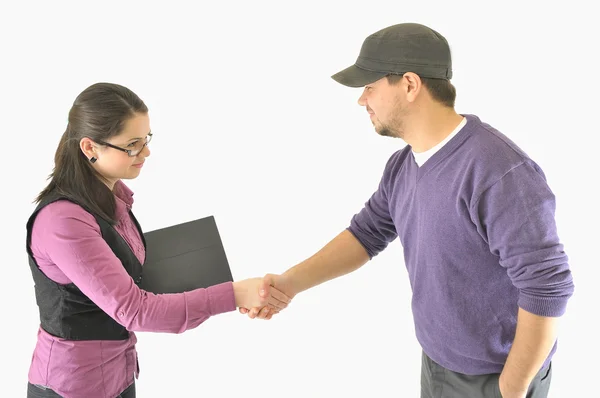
(35, 391)
(439, 382)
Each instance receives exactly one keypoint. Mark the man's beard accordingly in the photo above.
(395, 127)
(388, 131)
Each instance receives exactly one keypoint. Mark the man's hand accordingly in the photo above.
(508, 391)
(270, 283)
(534, 338)
(252, 293)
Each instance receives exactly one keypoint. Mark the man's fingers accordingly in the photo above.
(266, 312)
(279, 295)
(263, 313)
(275, 303)
(270, 314)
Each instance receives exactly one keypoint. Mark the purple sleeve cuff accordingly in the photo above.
(221, 298)
(544, 306)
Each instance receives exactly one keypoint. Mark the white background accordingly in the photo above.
(249, 127)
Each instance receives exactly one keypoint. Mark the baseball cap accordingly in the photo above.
(397, 49)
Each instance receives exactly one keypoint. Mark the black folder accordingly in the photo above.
(184, 257)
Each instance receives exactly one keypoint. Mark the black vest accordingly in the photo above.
(64, 310)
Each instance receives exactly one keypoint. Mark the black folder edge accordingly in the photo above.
(184, 257)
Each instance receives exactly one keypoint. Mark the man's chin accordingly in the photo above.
(384, 132)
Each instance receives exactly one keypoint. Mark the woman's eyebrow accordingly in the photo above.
(138, 138)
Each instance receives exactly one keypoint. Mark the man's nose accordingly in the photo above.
(362, 100)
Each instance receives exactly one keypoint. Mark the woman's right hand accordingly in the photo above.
(248, 295)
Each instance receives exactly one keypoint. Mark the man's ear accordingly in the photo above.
(413, 85)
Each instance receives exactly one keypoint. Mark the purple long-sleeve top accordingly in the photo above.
(68, 247)
(476, 222)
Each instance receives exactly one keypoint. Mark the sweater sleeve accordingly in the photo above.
(69, 237)
(515, 215)
(373, 225)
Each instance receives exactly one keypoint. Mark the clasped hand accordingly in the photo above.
(263, 297)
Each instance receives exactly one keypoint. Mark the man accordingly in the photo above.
(475, 216)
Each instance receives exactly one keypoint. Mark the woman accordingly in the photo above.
(86, 253)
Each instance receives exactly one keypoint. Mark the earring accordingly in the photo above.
(93, 159)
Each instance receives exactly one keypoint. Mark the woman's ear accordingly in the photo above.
(88, 148)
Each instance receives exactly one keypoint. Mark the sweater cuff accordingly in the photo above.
(543, 306)
(221, 298)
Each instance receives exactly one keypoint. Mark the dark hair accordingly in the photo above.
(441, 90)
(99, 113)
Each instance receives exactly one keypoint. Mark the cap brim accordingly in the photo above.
(354, 76)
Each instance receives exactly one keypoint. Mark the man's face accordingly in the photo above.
(386, 105)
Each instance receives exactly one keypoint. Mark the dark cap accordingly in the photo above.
(397, 49)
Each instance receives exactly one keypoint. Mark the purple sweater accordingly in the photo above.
(68, 247)
(476, 223)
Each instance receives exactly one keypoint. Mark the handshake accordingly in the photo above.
(263, 297)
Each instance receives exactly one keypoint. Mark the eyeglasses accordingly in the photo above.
(133, 149)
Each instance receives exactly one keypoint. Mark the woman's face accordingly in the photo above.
(114, 163)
